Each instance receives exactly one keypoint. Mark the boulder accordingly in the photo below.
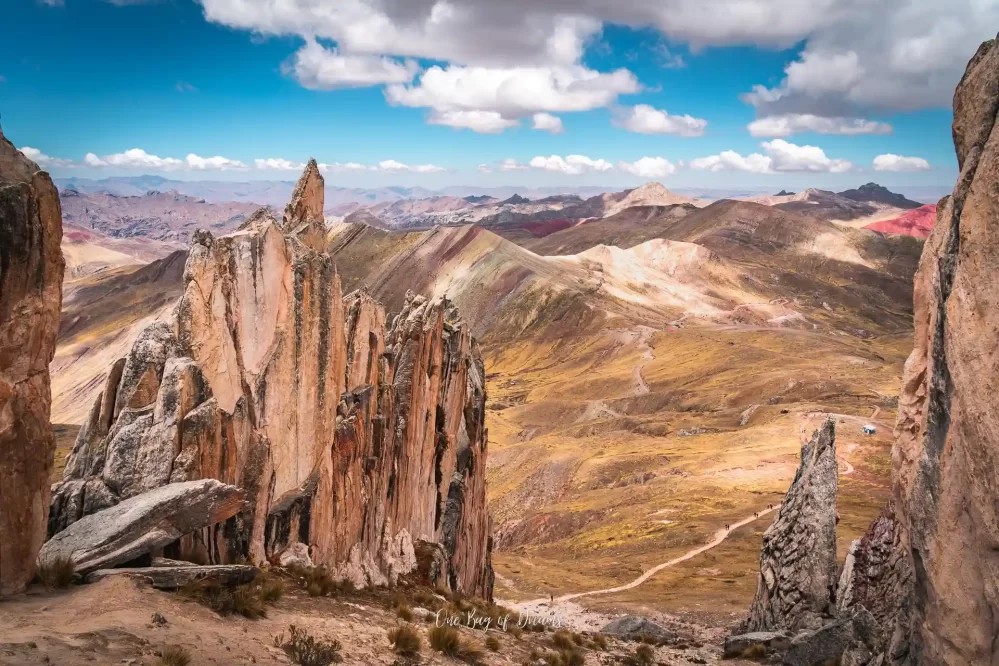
(850, 640)
(636, 627)
(31, 272)
(755, 644)
(797, 582)
(174, 577)
(142, 524)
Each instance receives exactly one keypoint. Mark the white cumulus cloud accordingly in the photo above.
(134, 158)
(787, 124)
(547, 122)
(646, 119)
(278, 164)
(510, 164)
(321, 68)
(891, 162)
(394, 165)
(483, 122)
(781, 157)
(43, 160)
(217, 163)
(648, 167)
(572, 165)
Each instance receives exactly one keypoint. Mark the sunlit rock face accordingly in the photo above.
(357, 437)
(31, 271)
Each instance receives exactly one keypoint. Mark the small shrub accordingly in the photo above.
(578, 639)
(515, 631)
(245, 600)
(316, 581)
(405, 641)
(644, 656)
(571, 657)
(307, 650)
(174, 655)
(492, 643)
(404, 613)
(271, 587)
(56, 572)
(448, 641)
(562, 640)
(600, 641)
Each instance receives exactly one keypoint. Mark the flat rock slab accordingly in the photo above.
(143, 523)
(173, 577)
(635, 627)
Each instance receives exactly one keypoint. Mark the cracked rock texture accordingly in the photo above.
(31, 270)
(797, 585)
(354, 437)
(946, 452)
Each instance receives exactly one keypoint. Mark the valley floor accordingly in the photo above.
(636, 472)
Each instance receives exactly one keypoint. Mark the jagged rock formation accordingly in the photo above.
(797, 584)
(946, 453)
(357, 438)
(877, 575)
(31, 271)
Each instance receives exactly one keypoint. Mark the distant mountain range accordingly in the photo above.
(276, 192)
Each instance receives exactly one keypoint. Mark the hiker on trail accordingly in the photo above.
(726, 526)
(552, 596)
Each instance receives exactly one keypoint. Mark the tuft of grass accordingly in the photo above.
(245, 600)
(600, 641)
(174, 655)
(405, 641)
(316, 581)
(404, 613)
(306, 650)
(56, 572)
(271, 587)
(562, 640)
(644, 656)
(492, 644)
(447, 640)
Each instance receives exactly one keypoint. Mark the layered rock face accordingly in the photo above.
(357, 438)
(31, 270)
(797, 584)
(946, 453)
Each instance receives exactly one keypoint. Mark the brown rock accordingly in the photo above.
(174, 577)
(352, 438)
(797, 584)
(946, 453)
(142, 524)
(31, 271)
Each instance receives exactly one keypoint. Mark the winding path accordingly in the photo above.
(644, 334)
(719, 537)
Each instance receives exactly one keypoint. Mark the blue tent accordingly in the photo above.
(869, 430)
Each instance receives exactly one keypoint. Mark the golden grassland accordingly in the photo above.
(593, 481)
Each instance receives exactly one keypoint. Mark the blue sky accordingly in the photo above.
(237, 80)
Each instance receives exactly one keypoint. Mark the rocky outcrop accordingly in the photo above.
(877, 576)
(142, 524)
(797, 584)
(175, 577)
(352, 436)
(31, 271)
(946, 452)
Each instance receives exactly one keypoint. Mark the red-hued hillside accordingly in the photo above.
(917, 222)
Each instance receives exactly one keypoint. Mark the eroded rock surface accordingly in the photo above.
(946, 453)
(352, 436)
(31, 271)
(797, 585)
